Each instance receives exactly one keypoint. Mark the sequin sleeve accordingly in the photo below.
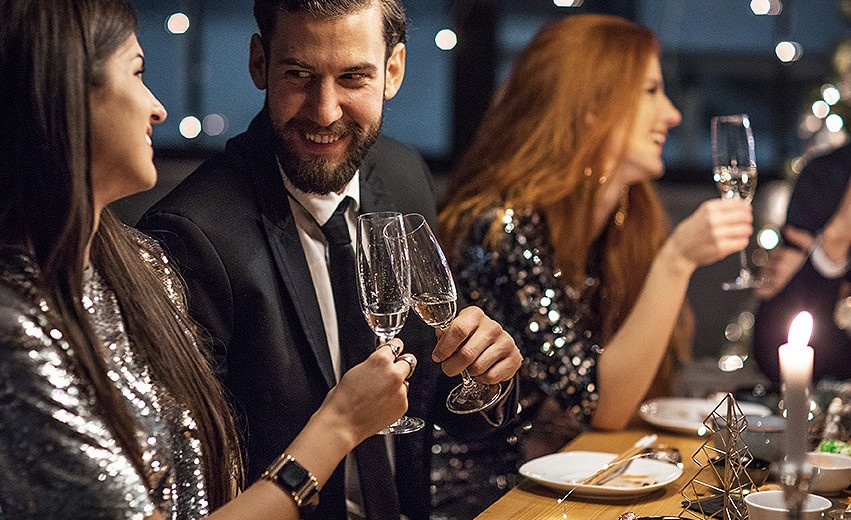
(513, 280)
(152, 253)
(57, 457)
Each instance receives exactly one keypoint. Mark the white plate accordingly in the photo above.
(686, 415)
(563, 470)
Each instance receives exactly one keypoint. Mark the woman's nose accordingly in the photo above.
(673, 117)
(159, 113)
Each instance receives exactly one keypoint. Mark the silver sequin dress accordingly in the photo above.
(58, 457)
(556, 327)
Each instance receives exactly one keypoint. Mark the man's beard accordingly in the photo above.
(316, 174)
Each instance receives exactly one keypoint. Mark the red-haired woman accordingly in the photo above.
(557, 232)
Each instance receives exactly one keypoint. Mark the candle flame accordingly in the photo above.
(801, 329)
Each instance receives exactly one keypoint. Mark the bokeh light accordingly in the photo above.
(214, 124)
(446, 39)
(733, 332)
(834, 122)
(760, 6)
(830, 94)
(766, 7)
(730, 363)
(177, 23)
(788, 52)
(190, 127)
(798, 164)
(746, 320)
(820, 109)
(810, 124)
(768, 238)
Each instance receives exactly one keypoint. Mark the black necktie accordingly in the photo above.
(380, 499)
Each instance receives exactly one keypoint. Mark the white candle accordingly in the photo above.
(796, 370)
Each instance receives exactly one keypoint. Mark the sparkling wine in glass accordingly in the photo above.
(384, 285)
(734, 171)
(433, 298)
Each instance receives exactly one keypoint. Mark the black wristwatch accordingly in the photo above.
(293, 478)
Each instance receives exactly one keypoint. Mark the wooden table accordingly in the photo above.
(530, 501)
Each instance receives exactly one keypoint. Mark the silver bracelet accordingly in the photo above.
(823, 264)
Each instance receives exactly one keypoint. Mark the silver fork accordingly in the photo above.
(660, 452)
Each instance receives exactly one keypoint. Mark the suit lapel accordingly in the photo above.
(374, 195)
(284, 243)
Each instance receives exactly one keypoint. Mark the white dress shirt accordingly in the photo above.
(311, 211)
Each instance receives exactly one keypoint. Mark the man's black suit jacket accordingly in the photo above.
(816, 197)
(229, 229)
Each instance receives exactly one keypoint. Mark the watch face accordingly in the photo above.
(293, 475)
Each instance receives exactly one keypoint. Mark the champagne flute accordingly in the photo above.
(384, 286)
(734, 171)
(433, 298)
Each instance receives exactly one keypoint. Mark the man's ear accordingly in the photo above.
(257, 62)
(395, 72)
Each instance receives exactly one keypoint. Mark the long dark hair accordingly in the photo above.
(52, 55)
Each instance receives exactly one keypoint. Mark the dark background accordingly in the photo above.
(718, 57)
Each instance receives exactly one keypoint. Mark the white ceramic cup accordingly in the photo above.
(831, 472)
(770, 505)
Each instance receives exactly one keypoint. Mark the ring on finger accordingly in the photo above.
(395, 347)
(411, 361)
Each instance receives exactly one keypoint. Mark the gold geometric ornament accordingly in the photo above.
(718, 488)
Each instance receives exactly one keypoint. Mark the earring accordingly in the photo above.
(623, 207)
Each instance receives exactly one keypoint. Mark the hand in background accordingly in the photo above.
(783, 262)
(479, 344)
(836, 235)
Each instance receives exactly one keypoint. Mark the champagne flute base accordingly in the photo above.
(403, 425)
(737, 285)
(463, 399)
(744, 281)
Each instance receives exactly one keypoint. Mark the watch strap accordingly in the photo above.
(295, 479)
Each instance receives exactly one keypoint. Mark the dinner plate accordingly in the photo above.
(686, 415)
(563, 471)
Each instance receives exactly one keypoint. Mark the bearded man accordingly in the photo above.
(247, 231)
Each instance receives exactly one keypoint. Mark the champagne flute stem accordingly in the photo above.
(743, 259)
(468, 382)
(466, 379)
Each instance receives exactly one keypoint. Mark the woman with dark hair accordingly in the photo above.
(109, 407)
(556, 231)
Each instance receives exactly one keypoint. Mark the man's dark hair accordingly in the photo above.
(393, 12)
